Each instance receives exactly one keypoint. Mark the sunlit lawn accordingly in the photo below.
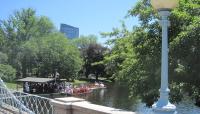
(77, 82)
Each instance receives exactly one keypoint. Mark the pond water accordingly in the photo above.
(117, 96)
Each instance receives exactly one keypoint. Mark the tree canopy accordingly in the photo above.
(31, 45)
(53, 52)
(135, 56)
(92, 53)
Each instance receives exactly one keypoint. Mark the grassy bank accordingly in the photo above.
(11, 85)
(78, 82)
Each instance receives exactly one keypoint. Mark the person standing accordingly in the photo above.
(27, 89)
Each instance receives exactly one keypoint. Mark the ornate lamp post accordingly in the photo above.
(163, 106)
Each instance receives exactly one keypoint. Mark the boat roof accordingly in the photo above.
(36, 79)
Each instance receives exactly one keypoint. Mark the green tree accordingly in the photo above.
(3, 58)
(43, 56)
(83, 43)
(7, 73)
(135, 56)
(20, 27)
(95, 54)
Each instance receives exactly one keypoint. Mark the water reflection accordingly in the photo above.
(187, 107)
(113, 96)
(117, 96)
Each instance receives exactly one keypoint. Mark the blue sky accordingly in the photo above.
(91, 16)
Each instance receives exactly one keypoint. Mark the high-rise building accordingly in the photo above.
(69, 31)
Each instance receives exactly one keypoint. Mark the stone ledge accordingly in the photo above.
(69, 99)
(88, 108)
(72, 105)
(62, 105)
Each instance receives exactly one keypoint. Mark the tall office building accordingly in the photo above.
(69, 31)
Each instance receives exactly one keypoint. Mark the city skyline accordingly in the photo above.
(69, 31)
(90, 16)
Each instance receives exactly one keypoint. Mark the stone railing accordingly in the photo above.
(71, 105)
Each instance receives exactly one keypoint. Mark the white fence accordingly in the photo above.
(12, 102)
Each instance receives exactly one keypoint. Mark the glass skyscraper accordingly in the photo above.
(69, 31)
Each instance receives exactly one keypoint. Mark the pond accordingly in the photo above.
(117, 96)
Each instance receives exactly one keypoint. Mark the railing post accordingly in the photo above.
(20, 109)
(1, 93)
(1, 101)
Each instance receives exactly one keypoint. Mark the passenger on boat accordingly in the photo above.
(76, 90)
(27, 89)
(101, 84)
(96, 83)
(69, 90)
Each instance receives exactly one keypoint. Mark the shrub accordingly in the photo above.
(7, 73)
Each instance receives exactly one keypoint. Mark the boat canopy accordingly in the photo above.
(36, 80)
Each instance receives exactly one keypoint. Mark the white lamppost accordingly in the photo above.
(163, 106)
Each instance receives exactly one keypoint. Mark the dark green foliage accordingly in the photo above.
(3, 58)
(95, 54)
(92, 53)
